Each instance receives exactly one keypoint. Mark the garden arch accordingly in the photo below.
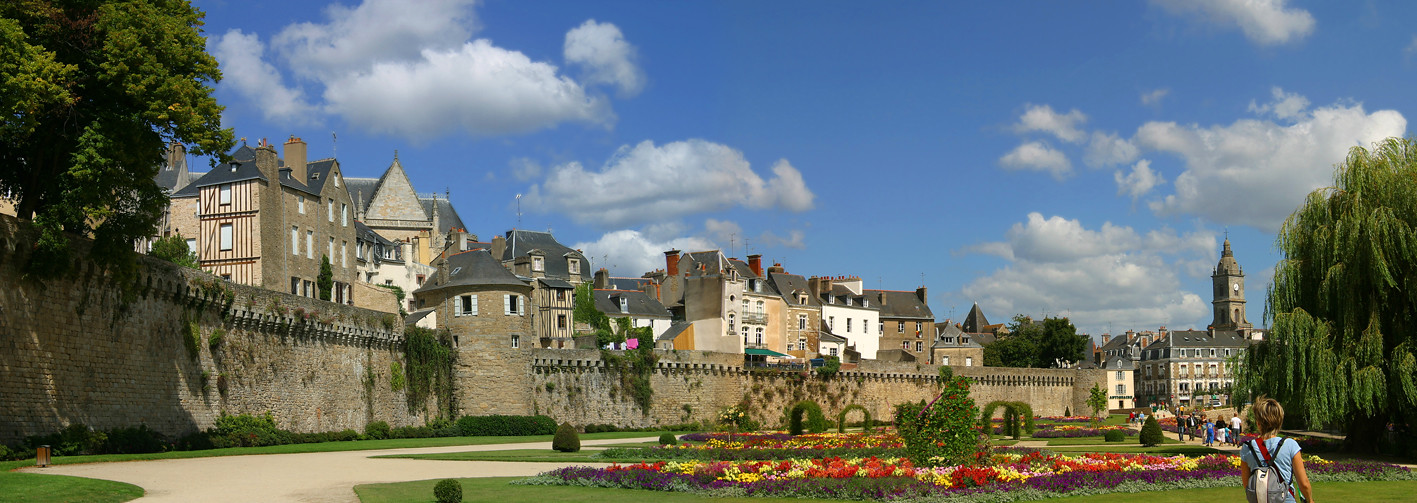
(816, 422)
(1014, 414)
(865, 422)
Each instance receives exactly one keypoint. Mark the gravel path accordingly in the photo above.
(314, 477)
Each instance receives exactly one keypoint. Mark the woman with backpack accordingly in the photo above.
(1271, 461)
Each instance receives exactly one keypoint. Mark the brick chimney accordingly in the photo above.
(671, 262)
(295, 150)
(266, 161)
(920, 292)
(755, 262)
(601, 280)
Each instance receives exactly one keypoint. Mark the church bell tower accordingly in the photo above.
(1229, 295)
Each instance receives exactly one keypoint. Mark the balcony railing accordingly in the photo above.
(755, 318)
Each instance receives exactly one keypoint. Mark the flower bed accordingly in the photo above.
(763, 446)
(1067, 419)
(1006, 477)
(1071, 431)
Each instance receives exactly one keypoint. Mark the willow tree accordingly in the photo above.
(1344, 301)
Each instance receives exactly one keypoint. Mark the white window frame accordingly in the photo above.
(225, 239)
(344, 253)
(192, 245)
(945, 360)
(516, 341)
(330, 208)
(573, 266)
(224, 194)
(801, 322)
(295, 240)
(344, 214)
(969, 361)
(538, 264)
(332, 249)
(309, 244)
(465, 305)
(300, 203)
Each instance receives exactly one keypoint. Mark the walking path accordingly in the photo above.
(321, 477)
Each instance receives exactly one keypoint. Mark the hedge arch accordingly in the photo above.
(841, 418)
(1018, 418)
(816, 422)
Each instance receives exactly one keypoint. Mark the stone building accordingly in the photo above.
(763, 314)
(953, 346)
(482, 303)
(849, 313)
(802, 319)
(906, 322)
(1229, 294)
(639, 307)
(555, 271)
(390, 206)
(705, 290)
(264, 221)
(1120, 382)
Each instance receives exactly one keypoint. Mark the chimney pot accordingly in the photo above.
(671, 262)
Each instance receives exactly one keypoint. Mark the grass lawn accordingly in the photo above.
(498, 489)
(529, 455)
(27, 487)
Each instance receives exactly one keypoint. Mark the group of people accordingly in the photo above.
(1194, 425)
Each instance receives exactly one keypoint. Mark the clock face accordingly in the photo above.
(1237, 287)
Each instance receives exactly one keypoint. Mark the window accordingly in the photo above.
(330, 208)
(358, 250)
(224, 194)
(624, 305)
(226, 277)
(561, 321)
(730, 325)
(745, 334)
(905, 345)
(761, 311)
(331, 254)
(802, 344)
(759, 336)
(344, 253)
(882, 327)
(467, 306)
(300, 203)
(945, 360)
(1119, 375)
(919, 327)
(919, 346)
(574, 266)
(344, 214)
(1121, 389)
(801, 322)
(848, 325)
(516, 341)
(1212, 352)
(294, 285)
(900, 327)
(832, 351)
(192, 245)
(560, 295)
(309, 244)
(538, 264)
(294, 240)
(969, 361)
(746, 307)
(831, 323)
(225, 237)
(1227, 352)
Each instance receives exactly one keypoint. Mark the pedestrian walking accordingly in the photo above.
(1272, 461)
(1180, 428)
(1209, 432)
(1235, 429)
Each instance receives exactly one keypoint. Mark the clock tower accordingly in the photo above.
(1229, 295)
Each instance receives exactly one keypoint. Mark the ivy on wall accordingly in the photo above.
(429, 355)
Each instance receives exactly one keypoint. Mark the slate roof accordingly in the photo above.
(950, 331)
(788, 286)
(317, 173)
(641, 305)
(1118, 363)
(831, 338)
(474, 268)
(416, 316)
(222, 174)
(900, 304)
(520, 242)
(674, 330)
(555, 283)
(629, 283)
(841, 293)
(448, 218)
(361, 191)
(1114, 343)
(363, 232)
(743, 269)
(975, 320)
(704, 263)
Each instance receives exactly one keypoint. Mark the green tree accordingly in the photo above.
(1344, 301)
(174, 249)
(1011, 351)
(91, 92)
(1033, 344)
(1097, 400)
(326, 281)
(1059, 340)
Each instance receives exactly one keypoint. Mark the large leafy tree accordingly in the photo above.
(1033, 344)
(1344, 301)
(91, 92)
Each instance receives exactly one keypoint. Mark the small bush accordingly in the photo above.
(504, 426)
(668, 439)
(448, 491)
(1150, 432)
(215, 339)
(1067, 412)
(567, 440)
(377, 430)
(396, 377)
(134, 441)
(1114, 436)
(192, 339)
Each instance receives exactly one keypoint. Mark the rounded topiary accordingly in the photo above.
(448, 491)
(566, 440)
(1150, 432)
(668, 439)
(1114, 436)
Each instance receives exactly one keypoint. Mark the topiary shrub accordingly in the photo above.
(865, 422)
(566, 440)
(815, 421)
(944, 432)
(377, 430)
(448, 491)
(668, 439)
(1114, 436)
(1150, 432)
(1067, 412)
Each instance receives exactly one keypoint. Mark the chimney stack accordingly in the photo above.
(267, 162)
(755, 262)
(601, 280)
(295, 150)
(671, 262)
(920, 292)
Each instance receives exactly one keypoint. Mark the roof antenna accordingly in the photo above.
(519, 210)
(334, 145)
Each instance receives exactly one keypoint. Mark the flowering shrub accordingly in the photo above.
(943, 432)
(1071, 431)
(1067, 419)
(1003, 476)
(733, 416)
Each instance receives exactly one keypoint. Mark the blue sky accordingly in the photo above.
(1036, 158)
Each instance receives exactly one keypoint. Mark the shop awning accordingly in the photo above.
(764, 352)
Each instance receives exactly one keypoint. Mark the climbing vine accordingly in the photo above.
(429, 356)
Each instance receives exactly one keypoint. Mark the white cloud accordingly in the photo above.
(1154, 96)
(795, 239)
(1287, 106)
(1095, 277)
(1037, 156)
(723, 231)
(645, 182)
(525, 169)
(1266, 22)
(630, 253)
(411, 69)
(607, 58)
(1043, 118)
(1256, 172)
(1411, 47)
(1107, 149)
(479, 88)
(1139, 182)
(243, 69)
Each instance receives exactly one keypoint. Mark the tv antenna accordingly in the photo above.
(519, 210)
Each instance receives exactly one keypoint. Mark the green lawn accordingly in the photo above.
(529, 455)
(499, 490)
(29, 487)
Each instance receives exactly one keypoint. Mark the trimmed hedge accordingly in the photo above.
(566, 439)
(448, 491)
(668, 439)
(1114, 436)
(506, 426)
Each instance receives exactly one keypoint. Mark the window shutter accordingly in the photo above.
(474, 305)
(507, 304)
(457, 307)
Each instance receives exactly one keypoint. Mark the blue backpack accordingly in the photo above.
(1267, 484)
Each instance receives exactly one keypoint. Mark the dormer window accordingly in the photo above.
(538, 264)
(624, 305)
(573, 265)
(865, 302)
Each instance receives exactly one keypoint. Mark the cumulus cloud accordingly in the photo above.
(1154, 96)
(1094, 276)
(250, 76)
(630, 253)
(723, 231)
(1043, 118)
(1108, 149)
(1287, 106)
(411, 69)
(525, 169)
(1265, 22)
(1256, 172)
(1139, 182)
(646, 182)
(1038, 156)
(795, 239)
(601, 50)
(479, 88)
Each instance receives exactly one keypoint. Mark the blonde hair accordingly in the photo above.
(1269, 415)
